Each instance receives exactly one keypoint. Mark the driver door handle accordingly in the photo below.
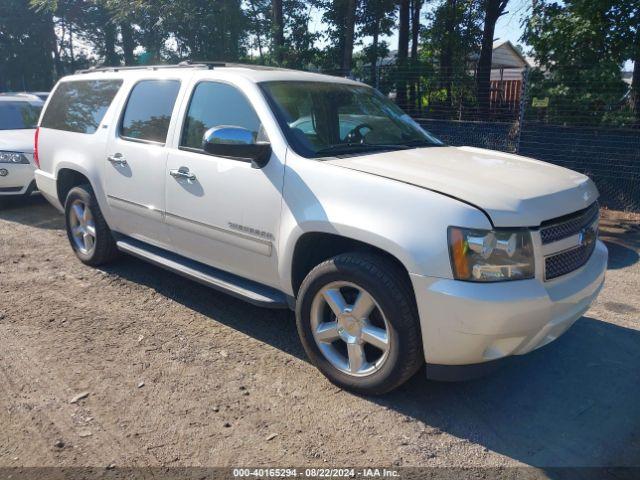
(117, 159)
(182, 172)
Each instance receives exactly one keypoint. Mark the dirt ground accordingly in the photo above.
(175, 374)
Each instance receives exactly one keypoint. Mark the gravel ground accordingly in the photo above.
(173, 374)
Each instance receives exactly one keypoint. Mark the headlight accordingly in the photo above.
(490, 256)
(13, 157)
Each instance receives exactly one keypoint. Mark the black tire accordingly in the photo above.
(393, 294)
(30, 189)
(104, 249)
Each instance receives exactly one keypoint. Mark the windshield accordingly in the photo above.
(17, 115)
(323, 119)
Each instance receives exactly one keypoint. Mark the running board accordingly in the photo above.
(225, 282)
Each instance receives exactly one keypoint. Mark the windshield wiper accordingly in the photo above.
(339, 148)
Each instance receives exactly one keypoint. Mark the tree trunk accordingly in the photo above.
(415, 27)
(349, 30)
(416, 7)
(278, 30)
(256, 18)
(446, 55)
(374, 54)
(403, 53)
(128, 44)
(492, 11)
(53, 45)
(635, 81)
(72, 57)
(110, 57)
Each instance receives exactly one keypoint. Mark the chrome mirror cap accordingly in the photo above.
(238, 143)
(228, 135)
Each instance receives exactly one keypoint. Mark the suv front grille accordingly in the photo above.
(568, 261)
(565, 227)
(584, 226)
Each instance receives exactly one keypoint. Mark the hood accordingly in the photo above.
(514, 191)
(17, 140)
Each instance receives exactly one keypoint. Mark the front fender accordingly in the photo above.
(407, 221)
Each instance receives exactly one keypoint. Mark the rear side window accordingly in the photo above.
(215, 104)
(148, 111)
(79, 106)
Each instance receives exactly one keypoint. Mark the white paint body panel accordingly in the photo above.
(17, 140)
(466, 323)
(515, 191)
(19, 175)
(400, 202)
(202, 216)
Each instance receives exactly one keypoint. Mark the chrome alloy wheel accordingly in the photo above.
(82, 226)
(350, 329)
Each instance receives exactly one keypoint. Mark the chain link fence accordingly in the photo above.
(577, 118)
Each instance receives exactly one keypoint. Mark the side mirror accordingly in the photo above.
(236, 142)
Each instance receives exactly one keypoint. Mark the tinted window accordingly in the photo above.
(19, 115)
(214, 104)
(80, 106)
(148, 111)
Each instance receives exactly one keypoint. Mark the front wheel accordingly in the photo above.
(88, 232)
(358, 323)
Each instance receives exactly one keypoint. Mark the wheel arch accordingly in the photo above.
(68, 178)
(314, 247)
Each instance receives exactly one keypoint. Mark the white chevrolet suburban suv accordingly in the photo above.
(299, 190)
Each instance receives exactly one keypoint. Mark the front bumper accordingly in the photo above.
(467, 323)
(17, 178)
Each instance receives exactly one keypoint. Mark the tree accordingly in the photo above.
(26, 49)
(300, 42)
(450, 38)
(403, 53)
(627, 18)
(349, 32)
(493, 10)
(277, 30)
(341, 17)
(128, 43)
(259, 24)
(416, 8)
(378, 20)
(582, 45)
(635, 80)
(109, 44)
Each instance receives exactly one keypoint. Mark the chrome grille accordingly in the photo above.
(569, 260)
(565, 227)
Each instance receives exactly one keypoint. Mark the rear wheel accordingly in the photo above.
(358, 323)
(88, 232)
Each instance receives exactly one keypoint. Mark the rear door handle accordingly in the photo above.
(117, 159)
(183, 172)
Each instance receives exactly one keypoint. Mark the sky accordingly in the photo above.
(508, 27)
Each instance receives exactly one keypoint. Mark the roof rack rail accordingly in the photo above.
(184, 64)
(118, 68)
(213, 64)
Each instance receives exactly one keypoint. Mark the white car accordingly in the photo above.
(18, 119)
(394, 249)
